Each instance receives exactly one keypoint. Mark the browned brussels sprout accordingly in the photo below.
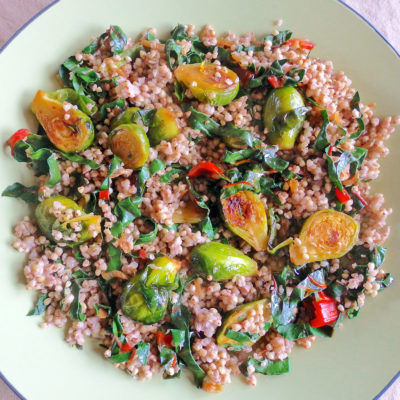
(130, 142)
(70, 130)
(325, 235)
(245, 215)
(209, 83)
(62, 220)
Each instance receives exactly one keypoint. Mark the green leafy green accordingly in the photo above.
(120, 103)
(355, 105)
(179, 91)
(170, 175)
(178, 336)
(126, 211)
(79, 159)
(120, 357)
(168, 359)
(75, 310)
(354, 158)
(156, 165)
(148, 237)
(114, 255)
(282, 306)
(321, 141)
(142, 352)
(34, 150)
(241, 337)
(266, 367)
(206, 227)
(180, 318)
(298, 331)
(173, 50)
(118, 37)
(202, 122)
(280, 38)
(114, 166)
(27, 193)
(144, 175)
(234, 136)
(39, 307)
(78, 77)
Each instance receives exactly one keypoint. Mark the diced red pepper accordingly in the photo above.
(244, 76)
(207, 169)
(359, 197)
(325, 310)
(164, 339)
(142, 254)
(342, 195)
(104, 194)
(174, 360)
(21, 134)
(242, 162)
(275, 82)
(126, 347)
(302, 43)
(132, 355)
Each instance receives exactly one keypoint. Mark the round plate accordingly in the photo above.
(357, 362)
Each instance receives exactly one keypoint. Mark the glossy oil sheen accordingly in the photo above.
(356, 363)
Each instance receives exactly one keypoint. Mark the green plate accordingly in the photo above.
(361, 358)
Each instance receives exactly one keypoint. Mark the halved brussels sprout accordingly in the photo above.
(325, 235)
(145, 297)
(162, 271)
(221, 261)
(284, 115)
(135, 306)
(244, 214)
(47, 221)
(163, 126)
(70, 131)
(190, 213)
(129, 116)
(209, 83)
(130, 142)
(238, 315)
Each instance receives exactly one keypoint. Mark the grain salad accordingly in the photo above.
(201, 202)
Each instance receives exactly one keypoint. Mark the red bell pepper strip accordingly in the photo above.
(207, 169)
(302, 43)
(126, 347)
(132, 355)
(21, 134)
(275, 82)
(330, 150)
(342, 195)
(142, 254)
(359, 197)
(104, 194)
(325, 310)
(164, 339)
